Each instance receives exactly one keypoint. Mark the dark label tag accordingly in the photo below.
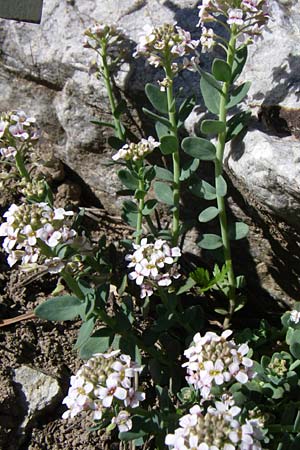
(23, 10)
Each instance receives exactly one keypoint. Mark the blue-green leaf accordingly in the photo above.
(238, 94)
(128, 179)
(213, 127)
(237, 124)
(199, 148)
(221, 186)
(240, 59)
(211, 92)
(157, 98)
(163, 192)
(210, 242)
(208, 214)
(120, 109)
(160, 119)
(85, 331)
(238, 230)
(149, 206)
(204, 190)
(65, 307)
(163, 174)
(189, 167)
(162, 130)
(295, 344)
(221, 70)
(130, 213)
(168, 144)
(99, 342)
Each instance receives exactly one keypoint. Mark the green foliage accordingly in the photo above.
(130, 213)
(221, 70)
(65, 307)
(211, 91)
(128, 178)
(210, 241)
(169, 144)
(208, 214)
(238, 230)
(237, 124)
(204, 190)
(238, 94)
(199, 148)
(213, 127)
(157, 98)
(163, 192)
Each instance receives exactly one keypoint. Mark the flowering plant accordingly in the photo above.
(139, 313)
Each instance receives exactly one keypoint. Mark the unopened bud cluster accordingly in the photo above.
(31, 228)
(150, 261)
(136, 152)
(105, 383)
(109, 39)
(212, 360)
(216, 429)
(16, 128)
(165, 44)
(244, 17)
(32, 189)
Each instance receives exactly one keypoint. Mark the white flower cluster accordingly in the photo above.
(29, 225)
(105, 381)
(136, 152)
(16, 127)
(246, 17)
(149, 262)
(167, 41)
(217, 429)
(212, 360)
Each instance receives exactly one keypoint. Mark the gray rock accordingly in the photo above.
(44, 70)
(269, 167)
(40, 392)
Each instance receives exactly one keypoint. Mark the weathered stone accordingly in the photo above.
(40, 392)
(44, 70)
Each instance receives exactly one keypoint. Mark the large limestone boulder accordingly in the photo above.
(44, 70)
(267, 160)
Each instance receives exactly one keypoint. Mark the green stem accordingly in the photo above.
(173, 311)
(72, 284)
(141, 204)
(21, 166)
(107, 81)
(175, 155)
(220, 199)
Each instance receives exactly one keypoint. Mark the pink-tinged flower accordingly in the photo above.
(252, 5)
(9, 152)
(149, 262)
(30, 235)
(61, 213)
(137, 275)
(146, 290)
(18, 132)
(217, 428)
(21, 118)
(134, 398)
(3, 126)
(123, 421)
(107, 394)
(235, 16)
(213, 360)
